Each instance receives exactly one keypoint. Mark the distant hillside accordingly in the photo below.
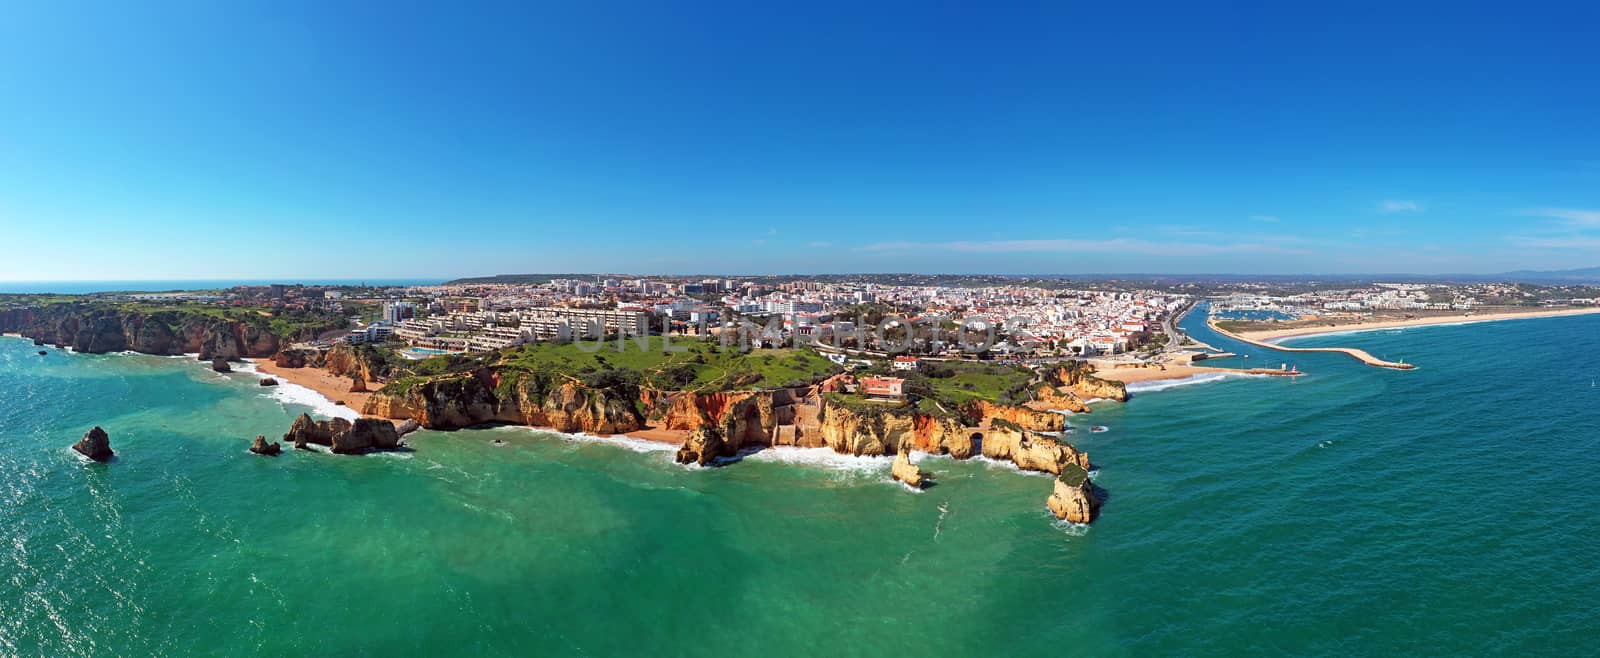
(1585, 275)
(515, 279)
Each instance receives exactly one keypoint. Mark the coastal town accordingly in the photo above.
(718, 366)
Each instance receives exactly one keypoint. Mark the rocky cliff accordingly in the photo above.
(1071, 385)
(485, 396)
(986, 413)
(96, 330)
(347, 360)
(1073, 498)
(1079, 377)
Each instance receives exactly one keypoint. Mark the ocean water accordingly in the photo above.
(1449, 510)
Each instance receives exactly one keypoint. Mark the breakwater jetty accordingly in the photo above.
(1357, 354)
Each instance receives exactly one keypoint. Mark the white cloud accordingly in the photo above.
(1572, 216)
(1265, 218)
(819, 244)
(1398, 205)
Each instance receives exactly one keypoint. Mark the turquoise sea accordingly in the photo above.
(1446, 511)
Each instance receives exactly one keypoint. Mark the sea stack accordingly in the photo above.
(358, 384)
(1073, 499)
(268, 381)
(905, 471)
(261, 447)
(43, 352)
(95, 445)
(220, 364)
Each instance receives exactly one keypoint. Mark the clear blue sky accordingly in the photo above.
(322, 139)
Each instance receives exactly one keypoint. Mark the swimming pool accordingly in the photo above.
(418, 353)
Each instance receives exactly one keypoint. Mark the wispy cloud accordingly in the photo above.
(819, 244)
(1124, 246)
(1571, 216)
(1398, 206)
(1265, 218)
(1563, 242)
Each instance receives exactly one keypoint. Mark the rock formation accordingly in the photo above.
(366, 434)
(342, 436)
(723, 424)
(304, 431)
(346, 360)
(92, 329)
(358, 384)
(1073, 499)
(905, 471)
(297, 359)
(1031, 452)
(407, 428)
(268, 381)
(95, 445)
(468, 399)
(702, 447)
(220, 364)
(43, 352)
(983, 412)
(1071, 385)
(261, 447)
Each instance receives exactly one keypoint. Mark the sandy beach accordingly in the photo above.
(1278, 334)
(323, 382)
(674, 437)
(1171, 371)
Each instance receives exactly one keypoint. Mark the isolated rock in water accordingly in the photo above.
(95, 445)
(366, 434)
(358, 384)
(221, 365)
(43, 352)
(343, 436)
(905, 471)
(268, 381)
(38, 342)
(261, 447)
(305, 431)
(1073, 499)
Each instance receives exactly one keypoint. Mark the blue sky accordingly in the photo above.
(313, 139)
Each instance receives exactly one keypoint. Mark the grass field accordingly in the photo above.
(677, 364)
(974, 381)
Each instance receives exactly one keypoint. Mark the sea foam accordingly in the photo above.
(1164, 384)
(287, 393)
(618, 440)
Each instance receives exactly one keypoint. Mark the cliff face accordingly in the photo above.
(1079, 377)
(298, 359)
(1031, 452)
(1073, 498)
(722, 424)
(481, 397)
(98, 330)
(1068, 386)
(347, 360)
(984, 412)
